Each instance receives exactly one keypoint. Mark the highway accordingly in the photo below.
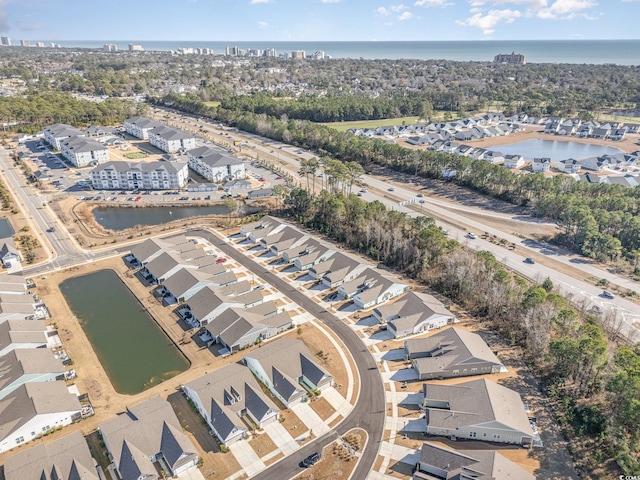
(458, 225)
(369, 411)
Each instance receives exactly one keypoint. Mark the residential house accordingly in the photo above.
(55, 134)
(308, 254)
(618, 134)
(479, 153)
(210, 302)
(541, 164)
(626, 181)
(632, 127)
(553, 124)
(414, 313)
(26, 365)
(387, 130)
(95, 131)
(165, 265)
(66, 458)
(228, 395)
(281, 239)
(82, 152)
(336, 269)
(139, 127)
(186, 282)
(601, 133)
(260, 193)
(514, 161)
(256, 231)
(236, 187)
(9, 254)
(215, 164)
(151, 248)
(440, 462)
(477, 410)
(12, 284)
(18, 334)
(596, 164)
(171, 140)
(34, 409)
(466, 150)
(287, 368)
(493, 157)
(570, 165)
(375, 288)
(122, 175)
(146, 439)
(237, 328)
(452, 352)
(593, 178)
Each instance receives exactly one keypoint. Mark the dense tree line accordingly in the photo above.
(598, 394)
(36, 110)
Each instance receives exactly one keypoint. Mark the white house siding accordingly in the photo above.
(27, 378)
(260, 374)
(432, 323)
(36, 427)
(390, 293)
(83, 159)
(9, 348)
(492, 432)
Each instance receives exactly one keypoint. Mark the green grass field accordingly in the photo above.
(212, 104)
(342, 126)
(135, 155)
(605, 117)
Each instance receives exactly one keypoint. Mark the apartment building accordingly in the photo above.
(171, 140)
(215, 164)
(140, 175)
(82, 152)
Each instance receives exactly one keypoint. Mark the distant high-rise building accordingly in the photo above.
(110, 47)
(298, 55)
(135, 47)
(232, 51)
(6, 41)
(25, 43)
(270, 52)
(511, 58)
(40, 44)
(318, 55)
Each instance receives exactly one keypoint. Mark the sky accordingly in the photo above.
(318, 20)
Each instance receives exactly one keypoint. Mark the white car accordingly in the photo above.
(471, 235)
(608, 294)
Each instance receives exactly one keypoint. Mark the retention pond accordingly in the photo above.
(134, 351)
(122, 218)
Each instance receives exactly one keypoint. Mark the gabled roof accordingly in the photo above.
(450, 347)
(32, 399)
(26, 361)
(412, 309)
(143, 122)
(226, 392)
(477, 464)
(376, 285)
(82, 145)
(59, 130)
(210, 298)
(143, 431)
(184, 279)
(67, 458)
(474, 403)
(22, 331)
(291, 358)
(163, 263)
(143, 167)
(169, 133)
(336, 262)
(8, 246)
(214, 157)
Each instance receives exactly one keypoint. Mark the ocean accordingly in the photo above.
(621, 52)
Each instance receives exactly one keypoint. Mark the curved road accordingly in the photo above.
(369, 411)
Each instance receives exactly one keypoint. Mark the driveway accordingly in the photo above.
(246, 457)
(281, 437)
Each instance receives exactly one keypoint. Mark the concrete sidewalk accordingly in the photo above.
(337, 401)
(247, 457)
(311, 419)
(281, 437)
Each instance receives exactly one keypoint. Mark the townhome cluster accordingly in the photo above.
(233, 313)
(34, 397)
(352, 278)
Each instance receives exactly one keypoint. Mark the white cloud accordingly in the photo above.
(405, 16)
(382, 11)
(397, 8)
(255, 2)
(488, 22)
(330, 1)
(262, 25)
(566, 9)
(432, 3)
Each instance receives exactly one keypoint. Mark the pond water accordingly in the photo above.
(134, 351)
(123, 218)
(6, 230)
(554, 149)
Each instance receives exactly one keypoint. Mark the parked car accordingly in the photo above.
(608, 294)
(420, 195)
(391, 189)
(529, 260)
(311, 460)
(221, 260)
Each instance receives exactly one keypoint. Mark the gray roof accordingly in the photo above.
(412, 309)
(449, 347)
(481, 464)
(476, 402)
(83, 144)
(143, 251)
(31, 399)
(309, 251)
(338, 262)
(289, 359)
(169, 133)
(9, 246)
(59, 130)
(261, 192)
(214, 157)
(144, 167)
(26, 361)
(145, 430)
(143, 122)
(226, 392)
(210, 298)
(235, 323)
(67, 458)
(163, 263)
(376, 286)
(13, 282)
(184, 279)
(22, 331)
(281, 237)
